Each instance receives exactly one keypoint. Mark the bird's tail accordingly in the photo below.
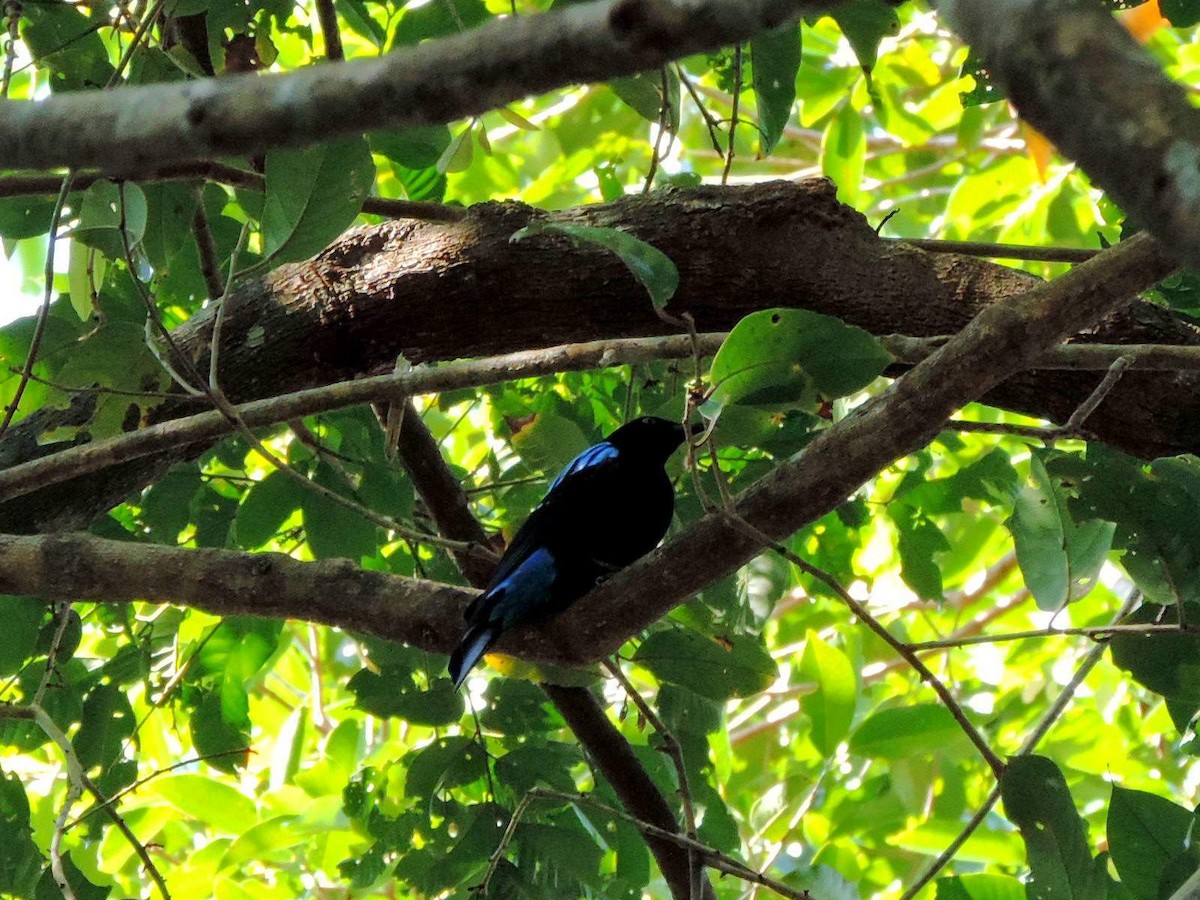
(474, 643)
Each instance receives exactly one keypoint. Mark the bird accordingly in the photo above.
(611, 505)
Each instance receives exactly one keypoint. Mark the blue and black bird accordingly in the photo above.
(609, 506)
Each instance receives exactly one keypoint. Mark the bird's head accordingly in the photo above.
(650, 436)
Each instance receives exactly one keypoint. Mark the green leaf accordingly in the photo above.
(169, 212)
(67, 44)
(313, 195)
(21, 862)
(82, 888)
(644, 94)
(265, 507)
(25, 217)
(1182, 13)
(22, 618)
(422, 184)
(1154, 512)
(334, 530)
(392, 692)
(920, 540)
(778, 355)
(115, 356)
(215, 738)
(166, 504)
(1059, 558)
(831, 706)
(431, 20)
(1038, 802)
(775, 56)
(413, 148)
(549, 442)
(844, 152)
(737, 667)
(262, 843)
(444, 763)
(985, 90)
(1166, 662)
(901, 732)
(1145, 832)
(100, 218)
(548, 764)
(650, 266)
(107, 722)
(980, 887)
(207, 800)
(865, 23)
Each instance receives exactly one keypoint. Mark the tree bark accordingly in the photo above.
(437, 291)
(1077, 76)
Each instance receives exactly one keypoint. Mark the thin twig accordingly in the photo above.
(77, 783)
(1096, 397)
(989, 756)
(1094, 655)
(25, 477)
(733, 115)
(1098, 632)
(664, 113)
(206, 248)
(710, 121)
(673, 749)
(327, 16)
(143, 29)
(494, 860)
(62, 615)
(39, 328)
(999, 251)
(221, 173)
(710, 856)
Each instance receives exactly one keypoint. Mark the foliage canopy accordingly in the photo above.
(251, 757)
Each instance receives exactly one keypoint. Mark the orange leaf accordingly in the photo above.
(1038, 148)
(1142, 21)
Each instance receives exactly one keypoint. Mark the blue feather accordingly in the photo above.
(594, 455)
(522, 591)
(510, 600)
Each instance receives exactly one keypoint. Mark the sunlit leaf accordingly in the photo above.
(312, 196)
(650, 266)
(781, 355)
(831, 705)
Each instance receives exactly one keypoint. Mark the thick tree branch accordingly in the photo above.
(386, 290)
(1002, 339)
(227, 583)
(1077, 76)
(999, 341)
(439, 81)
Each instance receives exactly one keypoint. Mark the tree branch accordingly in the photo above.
(1001, 339)
(226, 583)
(381, 291)
(207, 426)
(1077, 76)
(435, 82)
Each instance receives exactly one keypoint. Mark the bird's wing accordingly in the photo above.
(592, 456)
(572, 482)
